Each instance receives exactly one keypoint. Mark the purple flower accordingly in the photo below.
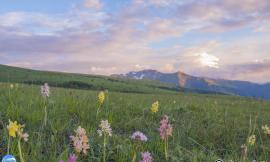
(71, 158)
(146, 157)
(165, 129)
(139, 136)
(45, 90)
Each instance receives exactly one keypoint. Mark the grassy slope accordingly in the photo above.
(81, 81)
(206, 127)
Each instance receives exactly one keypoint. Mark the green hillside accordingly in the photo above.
(81, 81)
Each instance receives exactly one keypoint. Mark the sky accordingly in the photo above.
(212, 38)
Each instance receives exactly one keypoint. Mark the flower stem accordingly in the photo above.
(104, 148)
(8, 144)
(20, 150)
(165, 149)
(99, 105)
(134, 157)
(45, 115)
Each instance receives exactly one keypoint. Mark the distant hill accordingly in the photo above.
(241, 88)
(82, 81)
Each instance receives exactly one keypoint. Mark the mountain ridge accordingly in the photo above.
(183, 80)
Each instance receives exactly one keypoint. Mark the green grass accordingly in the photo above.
(206, 127)
(82, 81)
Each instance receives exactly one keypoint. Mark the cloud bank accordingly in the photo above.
(166, 35)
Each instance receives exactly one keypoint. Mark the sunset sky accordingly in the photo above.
(214, 38)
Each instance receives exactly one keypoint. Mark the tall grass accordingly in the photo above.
(206, 127)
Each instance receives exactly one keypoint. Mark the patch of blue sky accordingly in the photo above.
(44, 6)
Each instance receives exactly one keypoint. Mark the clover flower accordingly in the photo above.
(266, 130)
(80, 140)
(139, 136)
(105, 128)
(101, 97)
(165, 129)
(146, 157)
(251, 140)
(45, 90)
(154, 107)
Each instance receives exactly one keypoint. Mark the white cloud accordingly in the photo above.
(206, 59)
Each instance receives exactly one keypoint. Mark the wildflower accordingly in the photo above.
(101, 97)
(139, 136)
(23, 135)
(105, 131)
(146, 157)
(244, 151)
(154, 107)
(11, 86)
(165, 129)
(251, 140)
(45, 90)
(105, 128)
(13, 127)
(71, 158)
(8, 158)
(80, 140)
(266, 130)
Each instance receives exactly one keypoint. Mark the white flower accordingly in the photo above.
(45, 90)
(105, 128)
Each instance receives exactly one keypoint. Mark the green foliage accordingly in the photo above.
(206, 127)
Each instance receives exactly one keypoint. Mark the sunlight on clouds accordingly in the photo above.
(209, 60)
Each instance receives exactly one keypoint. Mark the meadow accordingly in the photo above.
(206, 127)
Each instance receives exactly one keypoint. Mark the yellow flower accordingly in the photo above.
(13, 127)
(154, 107)
(266, 130)
(251, 140)
(101, 97)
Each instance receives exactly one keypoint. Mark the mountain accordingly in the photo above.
(180, 79)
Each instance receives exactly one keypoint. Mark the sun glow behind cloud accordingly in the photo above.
(209, 60)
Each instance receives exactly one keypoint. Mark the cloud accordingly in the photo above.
(256, 71)
(93, 4)
(87, 39)
(208, 60)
